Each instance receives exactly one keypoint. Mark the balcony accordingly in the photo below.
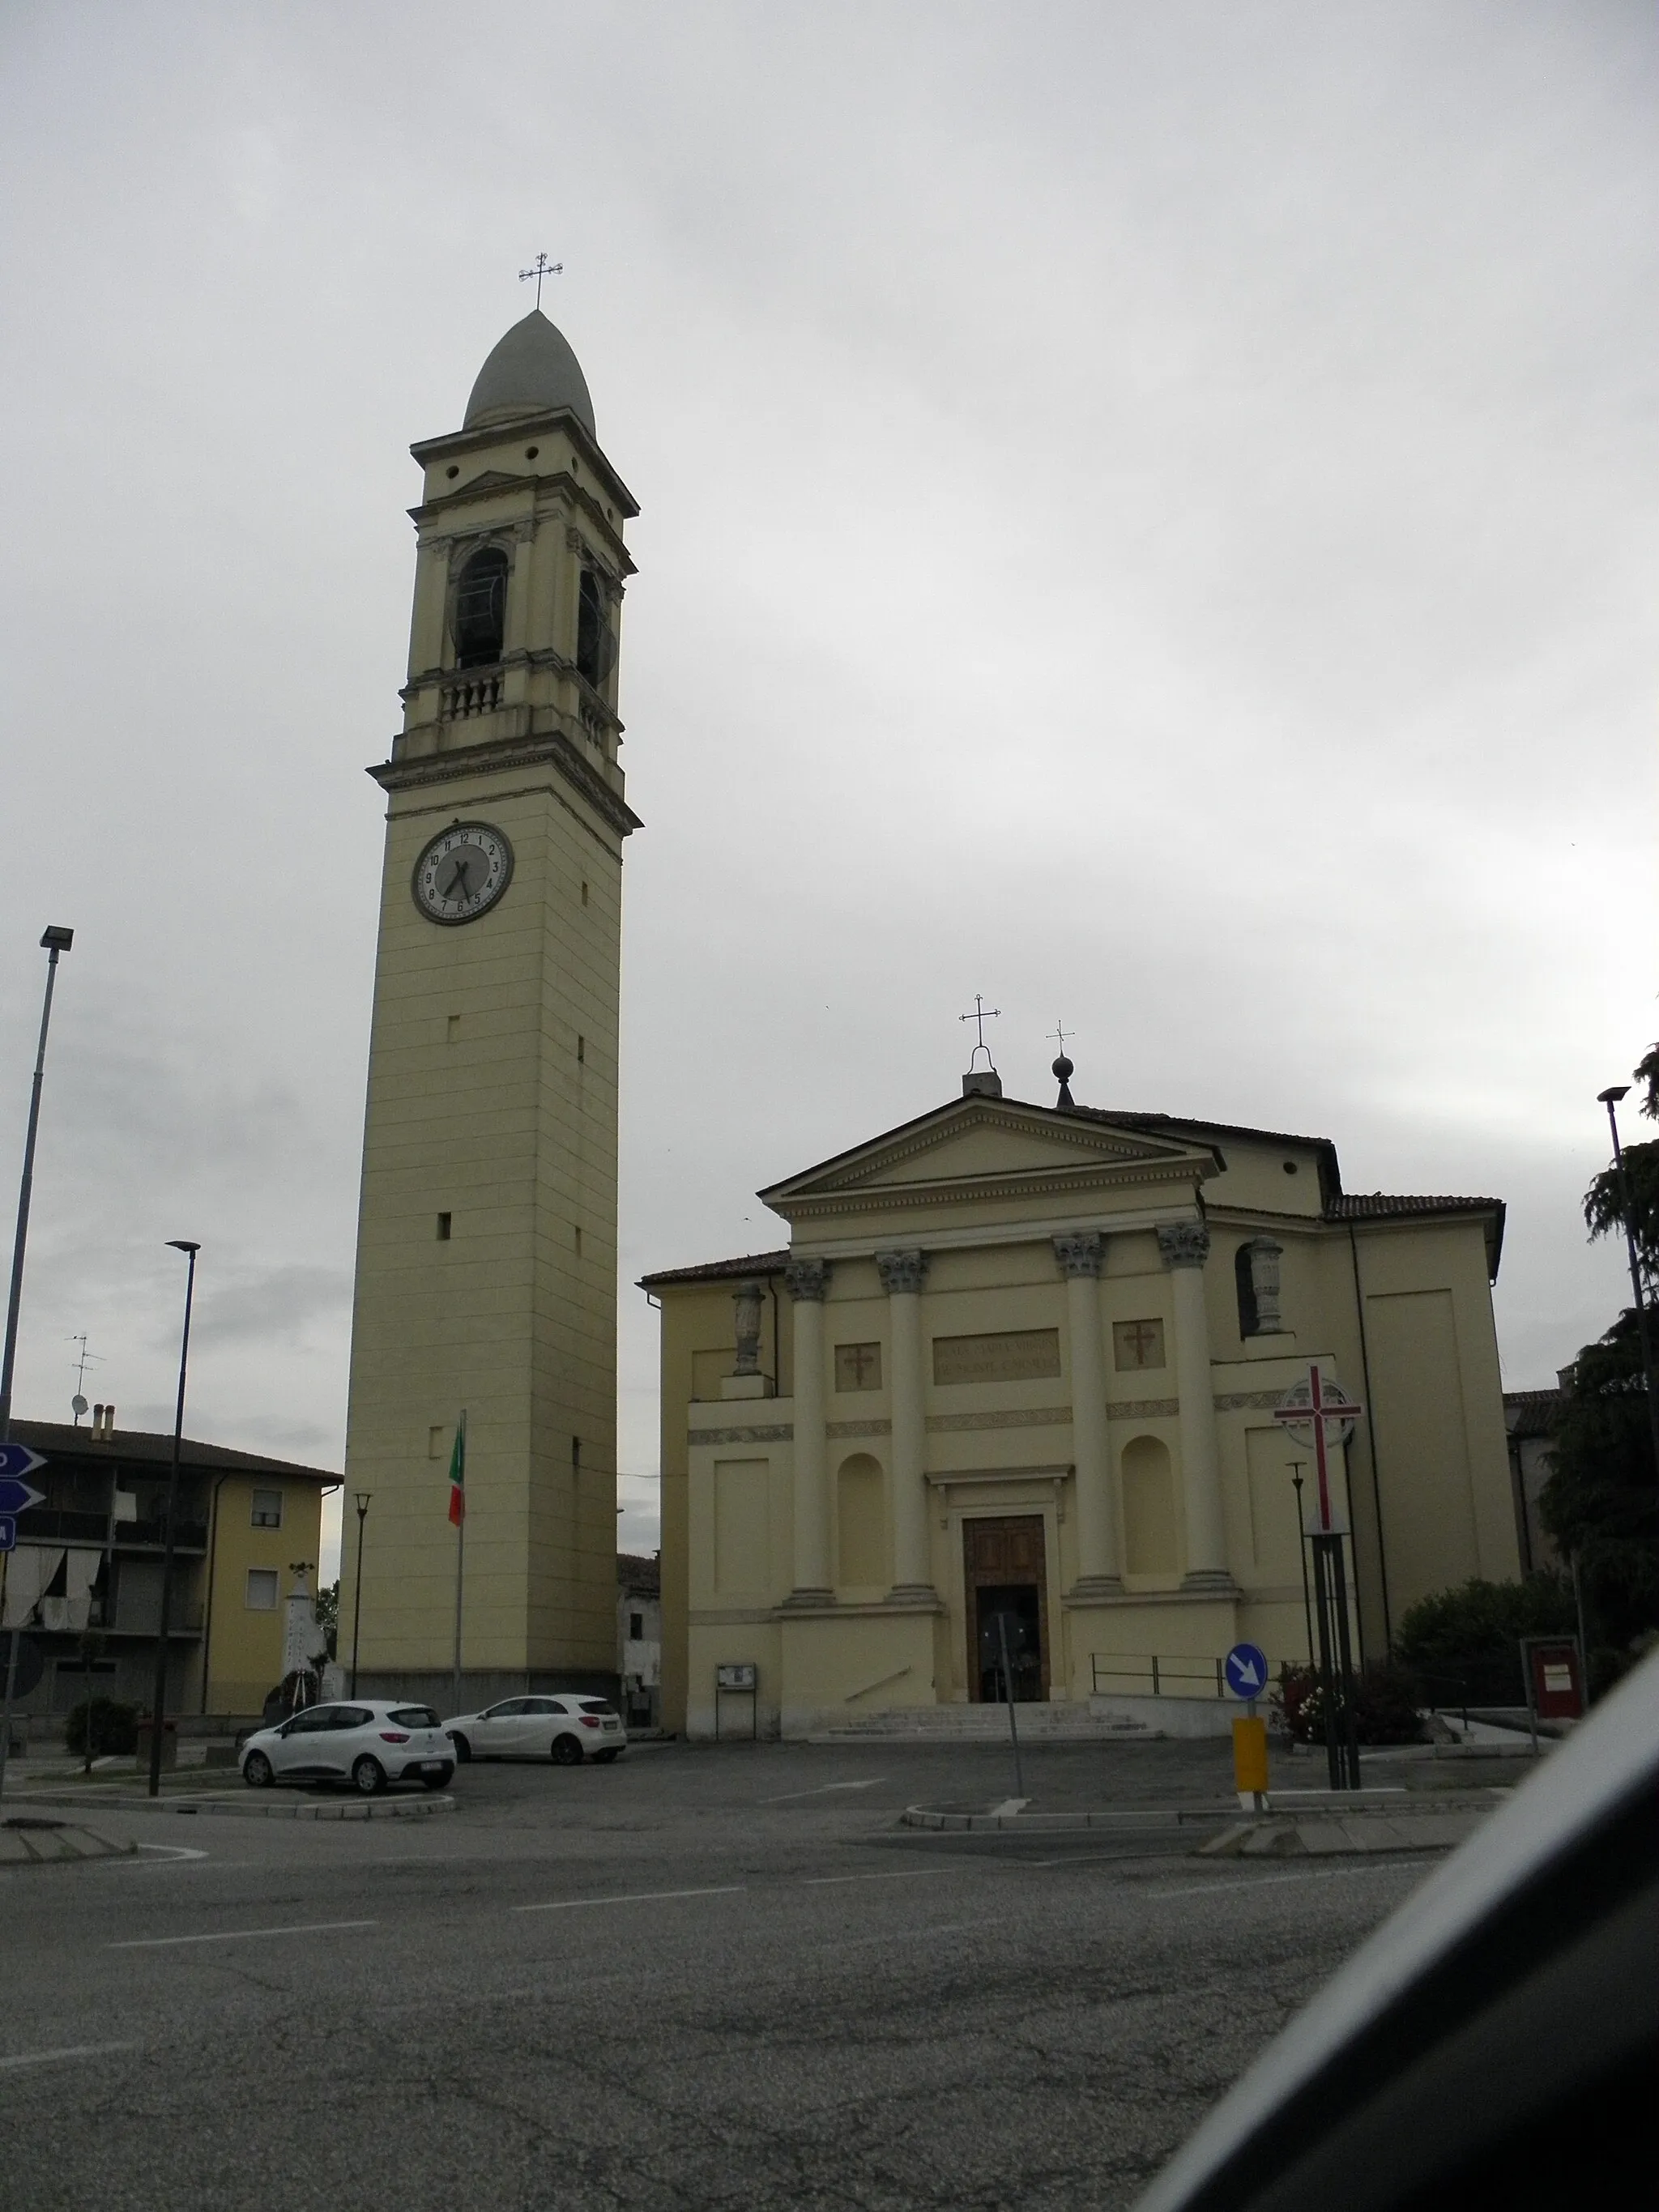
(466, 696)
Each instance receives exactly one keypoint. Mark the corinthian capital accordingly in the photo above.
(1080, 1251)
(807, 1279)
(1183, 1243)
(902, 1271)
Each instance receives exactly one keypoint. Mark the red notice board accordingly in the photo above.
(1555, 1681)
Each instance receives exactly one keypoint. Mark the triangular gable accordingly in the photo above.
(976, 1140)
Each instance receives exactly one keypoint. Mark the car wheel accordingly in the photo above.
(604, 1757)
(463, 1749)
(566, 1752)
(257, 1770)
(368, 1776)
(439, 1781)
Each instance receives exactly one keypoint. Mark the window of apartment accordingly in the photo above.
(267, 1509)
(636, 1627)
(261, 1589)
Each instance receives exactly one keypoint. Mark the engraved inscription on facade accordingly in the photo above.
(858, 1367)
(1014, 1355)
(1137, 1344)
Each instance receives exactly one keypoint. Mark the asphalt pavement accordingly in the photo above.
(699, 1978)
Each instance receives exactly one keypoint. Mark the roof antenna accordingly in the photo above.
(981, 1082)
(78, 1402)
(543, 268)
(1064, 1069)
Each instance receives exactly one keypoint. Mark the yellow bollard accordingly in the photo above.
(1250, 1763)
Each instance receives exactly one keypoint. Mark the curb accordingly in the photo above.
(1361, 1835)
(239, 1809)
(1378, 1804)
(1129, 1823)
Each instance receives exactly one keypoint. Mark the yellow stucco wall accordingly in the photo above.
(245, 1645)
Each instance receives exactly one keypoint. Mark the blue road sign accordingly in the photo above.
(17, 1459)
(16, 1496)
(7, 1532)
(1246, 1669)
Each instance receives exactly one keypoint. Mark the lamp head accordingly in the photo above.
(182, 1244)
(56, 939)
(1611, 1097)
(363, 1497)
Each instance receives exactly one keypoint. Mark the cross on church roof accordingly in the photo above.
(981, 1015)
(543, 268)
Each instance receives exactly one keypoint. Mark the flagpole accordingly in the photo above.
(461, 1555)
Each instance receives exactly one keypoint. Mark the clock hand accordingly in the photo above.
(458, 879)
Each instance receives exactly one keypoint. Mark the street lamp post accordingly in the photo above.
(1610, 1098)
(57, 940)
(158, 1701)
(362, 1497)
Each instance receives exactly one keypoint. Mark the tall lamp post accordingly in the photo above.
(1610, 1098)
(57, 940)
(158, 1701)
(362, 1497)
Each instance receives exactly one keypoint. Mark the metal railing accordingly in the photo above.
(1185, 1675)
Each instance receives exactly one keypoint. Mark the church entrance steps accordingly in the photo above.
(1045, 1721)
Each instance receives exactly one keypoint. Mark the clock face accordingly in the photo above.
(462, 873)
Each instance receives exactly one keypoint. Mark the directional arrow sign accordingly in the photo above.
(18, 1459)
(1246, 1668)
(16, 1496)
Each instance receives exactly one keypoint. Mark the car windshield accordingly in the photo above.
(414, 1716)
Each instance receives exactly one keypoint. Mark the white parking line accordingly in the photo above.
(789, 1795)
(239, 1935)
(643, 1897)
(69, 2051)
(904, 1874)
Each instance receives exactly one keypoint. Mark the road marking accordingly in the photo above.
(1379, 1865)
(905, 1873)
(239, 1935)
(643, 1897)
(1008, 1807)
(789, 1795)
(69, 2051)
(170, 1854)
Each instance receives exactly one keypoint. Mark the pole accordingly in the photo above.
(1344, 1660)
(1008, 1687)
(460, 1556)
(159, 1696)
(55, 940)
(1584, 1638)
(363, 1497)
(1610, 1100)
(1302, 1554)
(1327, 1663)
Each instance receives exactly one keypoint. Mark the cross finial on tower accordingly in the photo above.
(981, 1015)
(543, 268)
(1064, 1069)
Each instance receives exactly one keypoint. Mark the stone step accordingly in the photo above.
(1049, 1721)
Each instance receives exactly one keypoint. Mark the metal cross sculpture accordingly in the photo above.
(1058, 1033)
(1317, 1405)
(543, 268)
(981, 1015)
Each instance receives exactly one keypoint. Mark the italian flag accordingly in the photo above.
(458, 1475)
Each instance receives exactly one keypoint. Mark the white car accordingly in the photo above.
(366, 1741)
(566, 1729)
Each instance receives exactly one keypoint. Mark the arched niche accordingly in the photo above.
(1151, 1540)
(862, 1552)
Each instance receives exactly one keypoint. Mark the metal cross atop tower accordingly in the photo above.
(981, 1015)
(1059, 1033)
(543, 268)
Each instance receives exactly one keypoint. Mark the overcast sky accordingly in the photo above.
(1148, 514)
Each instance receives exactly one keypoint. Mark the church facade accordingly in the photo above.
(1016, 1370)
(487, 1241)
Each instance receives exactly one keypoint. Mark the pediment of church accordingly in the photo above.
(992, 1148)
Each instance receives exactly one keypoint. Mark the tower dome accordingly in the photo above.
(530, 370)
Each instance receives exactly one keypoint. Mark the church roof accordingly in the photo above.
(716, 1270)
(531, 371)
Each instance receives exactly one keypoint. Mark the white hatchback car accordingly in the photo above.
(366, 1741)
(566, 1729)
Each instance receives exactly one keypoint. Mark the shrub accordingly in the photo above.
(1385, 1704)
(114, 1727)
(1465, 1642)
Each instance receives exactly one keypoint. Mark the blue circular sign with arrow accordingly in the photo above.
(1246, 1669)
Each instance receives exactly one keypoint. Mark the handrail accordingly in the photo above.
(880, 1683)
(1184, 1667)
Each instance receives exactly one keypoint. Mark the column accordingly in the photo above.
(1185, 1246)
(1079, 1255)
(902, 1274)
(806, 1282)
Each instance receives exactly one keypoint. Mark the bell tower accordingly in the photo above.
(487, 1235)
